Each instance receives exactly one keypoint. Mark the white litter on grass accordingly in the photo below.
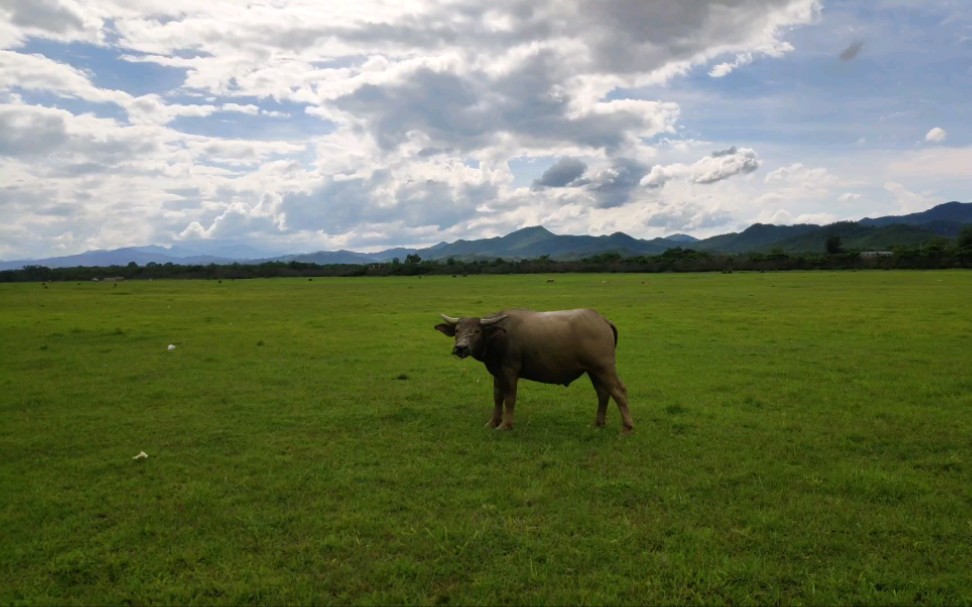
(171, 347)
(141, 455)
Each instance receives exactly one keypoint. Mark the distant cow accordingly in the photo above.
(548, 347)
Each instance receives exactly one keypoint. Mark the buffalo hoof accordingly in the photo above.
(493, 423)
(505, 426)
(627, 430)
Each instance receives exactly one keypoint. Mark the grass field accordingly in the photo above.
(800, 438)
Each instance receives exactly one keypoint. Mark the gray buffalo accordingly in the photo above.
(548, 347)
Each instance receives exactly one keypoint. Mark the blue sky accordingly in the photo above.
(301, 126)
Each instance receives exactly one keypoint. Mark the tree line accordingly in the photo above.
(939, 254)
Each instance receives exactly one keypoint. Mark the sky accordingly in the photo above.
(290, 126)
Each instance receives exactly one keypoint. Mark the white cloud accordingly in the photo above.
(797, 193)
(64, 20)
(414, 91)
(784, 217)
(906, 200)
(35, 72)
(936, 135)
(725, 164)
(346, 123)
(932, 164)
(235, 219)
(803, 177)
(724, 69)
(710, 169)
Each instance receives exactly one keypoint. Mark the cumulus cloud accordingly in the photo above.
(797, 193)
(403, 115)
(785, 217)
(937, 163)
(66, 139)
(635, 38)
(717, 166)
(51, 15)
(59, 19)
(605, 186)
(685, 216)
(802, 176)
(725, 164)
(477, 110)
(25, 132)
(613, 186)
(802, 187)
(439, 194)
(233, 221)
(35, 72)
(561, 174)
(724, 69)
(936, 135)
(906, 200)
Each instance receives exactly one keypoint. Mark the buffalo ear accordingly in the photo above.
(446, 328)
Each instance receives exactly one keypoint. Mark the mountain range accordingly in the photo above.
(915, 229)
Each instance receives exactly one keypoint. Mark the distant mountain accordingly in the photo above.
(117, 257)
(350, 257)
(856, 236)
(537, 241)
(528, 242)
(390, 254)
(328, 257)
(757, 237)
(944, 220)
(948, 217)
(238, 251)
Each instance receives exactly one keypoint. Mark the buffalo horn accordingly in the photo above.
(449, 319)
(491, 321)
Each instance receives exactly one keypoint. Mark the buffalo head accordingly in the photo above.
(470, 333)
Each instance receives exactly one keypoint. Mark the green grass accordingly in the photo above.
(801, 438)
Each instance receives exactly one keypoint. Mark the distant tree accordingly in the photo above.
(608, 257)
(965, 239)
(936, 247)
(413, 258)
(835, 245)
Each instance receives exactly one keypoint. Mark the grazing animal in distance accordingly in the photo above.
(548, 347)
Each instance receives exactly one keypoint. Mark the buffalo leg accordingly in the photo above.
(497, 404)
(603, 395)
(616, 388)
(620, 394)
(507, 386)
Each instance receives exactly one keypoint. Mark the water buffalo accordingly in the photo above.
(549, 347)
